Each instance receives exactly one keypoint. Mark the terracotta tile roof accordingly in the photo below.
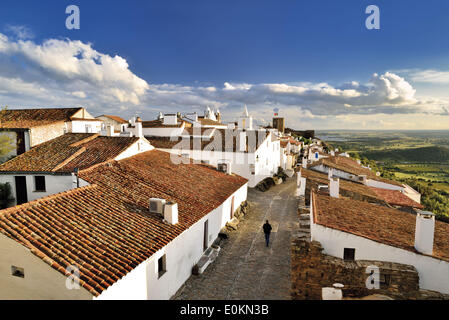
(322, 179)
(396, 198)
(378, 223)
(67, 152)
(351, 166)
(218, 137)
(209, 122)
(115, 118)
(106, 229)
(28, 118)
(160, 124)
(392, 197)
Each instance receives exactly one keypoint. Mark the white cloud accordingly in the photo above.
(429, 76)
(71, 73)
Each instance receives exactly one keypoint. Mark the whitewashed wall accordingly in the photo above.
(79, 126)
(41, 281)
(53, 183)
(266, 166)
(383, 185)
(162, 132)
(181, 255)
(353, 177)
(142, 145)
(433, 273)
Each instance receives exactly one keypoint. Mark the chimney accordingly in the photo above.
(424, 232)
(133, 121)
(359, 162)
(332, 153)
(334, 187)
(139, 129)
(242, 141)
(330, 173)
(298, 178)
(332, 293)
(304, 163)
(171, 212)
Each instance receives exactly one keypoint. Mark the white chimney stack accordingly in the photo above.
(139, 129)
(334, 187)
(424, 232)
(330, 173)
(171, 212)
(304, 163)
(298, 178)
(133, 121)
(242, 141)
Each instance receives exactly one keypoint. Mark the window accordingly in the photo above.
(161, 266)
(17, 272)
(384, 281)
(349, 254)
(39, 184)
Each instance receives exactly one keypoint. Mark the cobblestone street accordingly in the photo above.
(245, 267)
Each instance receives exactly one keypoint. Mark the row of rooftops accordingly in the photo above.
(383, 215)
(106, 229)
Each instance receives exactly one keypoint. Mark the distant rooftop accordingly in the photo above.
(28, 118)
(67, 152)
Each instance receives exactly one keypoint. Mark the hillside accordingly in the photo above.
(425, 154)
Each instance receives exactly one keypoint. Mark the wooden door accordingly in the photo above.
(21, 190)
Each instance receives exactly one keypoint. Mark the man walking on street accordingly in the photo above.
(267, 230)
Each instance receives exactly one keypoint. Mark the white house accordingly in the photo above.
(357, 230)
(27, 128)
(52, 166)
(253, 154)
(134, 232)
(117, 123)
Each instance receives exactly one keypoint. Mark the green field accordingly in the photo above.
(418, 158)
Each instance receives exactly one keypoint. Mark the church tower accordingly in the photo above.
(245, 120)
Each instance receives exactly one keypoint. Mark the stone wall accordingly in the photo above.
(45, 133)
(312, 270)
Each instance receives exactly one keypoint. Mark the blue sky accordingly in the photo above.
(313, 60)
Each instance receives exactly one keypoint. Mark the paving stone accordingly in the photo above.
(245, 268)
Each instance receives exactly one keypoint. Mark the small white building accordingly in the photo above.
(27, 128)
(134, 232)
(117, 123)
(357, 230)
(52, 166)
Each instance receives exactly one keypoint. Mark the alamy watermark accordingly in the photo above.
(373, 20)
(73, 20)
(73, 278)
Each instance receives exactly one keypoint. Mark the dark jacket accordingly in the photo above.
(267, 228)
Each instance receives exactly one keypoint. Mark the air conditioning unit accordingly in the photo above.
(157, 205)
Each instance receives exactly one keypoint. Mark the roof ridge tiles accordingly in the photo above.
(85, 140)
(70, 158)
